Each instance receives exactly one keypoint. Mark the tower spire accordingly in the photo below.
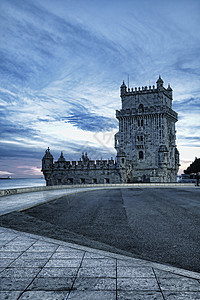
(123, 89)
(159, 82)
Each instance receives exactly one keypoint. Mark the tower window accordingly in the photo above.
(138, 138)
(141, 155)
(140, 123)
(141, 138)
(141, 108)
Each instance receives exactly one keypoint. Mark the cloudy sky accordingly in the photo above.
(62, 63)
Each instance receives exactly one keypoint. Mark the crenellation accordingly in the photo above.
(147, 90)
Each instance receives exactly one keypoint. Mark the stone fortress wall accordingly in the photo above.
(145, 144)
(84, 171)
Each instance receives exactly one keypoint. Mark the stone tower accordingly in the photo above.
(146, 141)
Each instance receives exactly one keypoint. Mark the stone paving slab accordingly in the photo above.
(135, 272)
(51, 284)
(179, 284)
(94, 284)
(14, 284)
(92, 295)
(20, 273)
(182, 295)
(103, 271)
(137, 284)
(135, 295)
(10, 295)
(35, 267)
(58, 272)
(43, 295)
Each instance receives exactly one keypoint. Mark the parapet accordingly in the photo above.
(84, 164)
(146, 89)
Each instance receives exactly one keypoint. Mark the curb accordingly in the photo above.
(15, 191)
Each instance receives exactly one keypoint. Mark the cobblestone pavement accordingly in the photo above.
(35, 267)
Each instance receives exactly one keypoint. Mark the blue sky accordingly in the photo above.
(62, 63)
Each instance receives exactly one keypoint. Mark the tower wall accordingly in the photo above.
(147, 122)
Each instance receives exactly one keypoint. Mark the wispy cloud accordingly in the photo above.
(86, 120)
(62, 64)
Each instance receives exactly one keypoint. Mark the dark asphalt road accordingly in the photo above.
(161, 225)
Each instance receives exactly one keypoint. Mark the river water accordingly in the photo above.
(21, 183)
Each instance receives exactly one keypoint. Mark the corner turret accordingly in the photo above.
(123, 89)
(47, 164)
(159, 83)
(169, 91)
(61, 158)
(85, 158)
(61, 161)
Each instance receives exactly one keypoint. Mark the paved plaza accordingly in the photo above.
(37, 267)
(34, 267)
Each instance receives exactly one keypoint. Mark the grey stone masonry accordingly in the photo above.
(85, 171)
(145, 144)
(146, 141)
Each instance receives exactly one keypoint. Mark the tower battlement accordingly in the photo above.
(125, 91)
(84, 162)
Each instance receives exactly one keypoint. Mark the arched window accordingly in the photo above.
(141, 155)
(141, 108)
(138, 122)
(141, 122)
